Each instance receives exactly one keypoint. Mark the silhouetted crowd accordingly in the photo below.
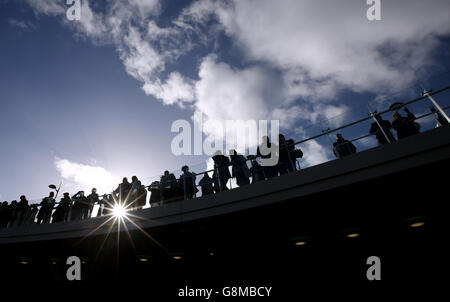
(133, 195)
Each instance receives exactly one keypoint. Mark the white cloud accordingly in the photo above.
(314, 154)
(176, 90)
(326, 46)
(227, 93)
(85, 177)
(48, 7)
(296, 56)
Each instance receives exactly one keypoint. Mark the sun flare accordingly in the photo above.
(119, 211)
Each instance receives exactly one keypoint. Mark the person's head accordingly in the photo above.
(125, 180)
(14, 202)
(281, 138)
(395, 116)
(82, 193)
(66, 194)
(23, 197)
(217, 153)
(185, 169)
(134, 178)
(232, 152)
(51, 194)
(94, 191)
(339, 136)
(166, 172)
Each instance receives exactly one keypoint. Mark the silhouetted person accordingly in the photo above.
(32, 214)
(62, 210)
(343, 147)
(269, 171)
(239, 168)
(101, 205)
(256, 170)
(221, 172)
(45, 213)
(122, 192)
(4, 214)
(405, 126)
(107, 203)
(13, 220)
(22, 210)
(440, 120)
(155, 194)
(187, 182)
(170, 187)
(206, 183)
(386, 126)
(288, 155)
(138, 194)
(80, 202)
(93, 199)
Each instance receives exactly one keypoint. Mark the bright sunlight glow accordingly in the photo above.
(119, 211)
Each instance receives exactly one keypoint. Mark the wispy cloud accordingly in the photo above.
(296, 56)
(21, 24)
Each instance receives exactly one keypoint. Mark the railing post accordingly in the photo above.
(379, 126)
(427, 94)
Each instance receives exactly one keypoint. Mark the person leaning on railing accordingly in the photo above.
(343, 147)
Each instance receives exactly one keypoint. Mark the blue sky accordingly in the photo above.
(95, 99)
